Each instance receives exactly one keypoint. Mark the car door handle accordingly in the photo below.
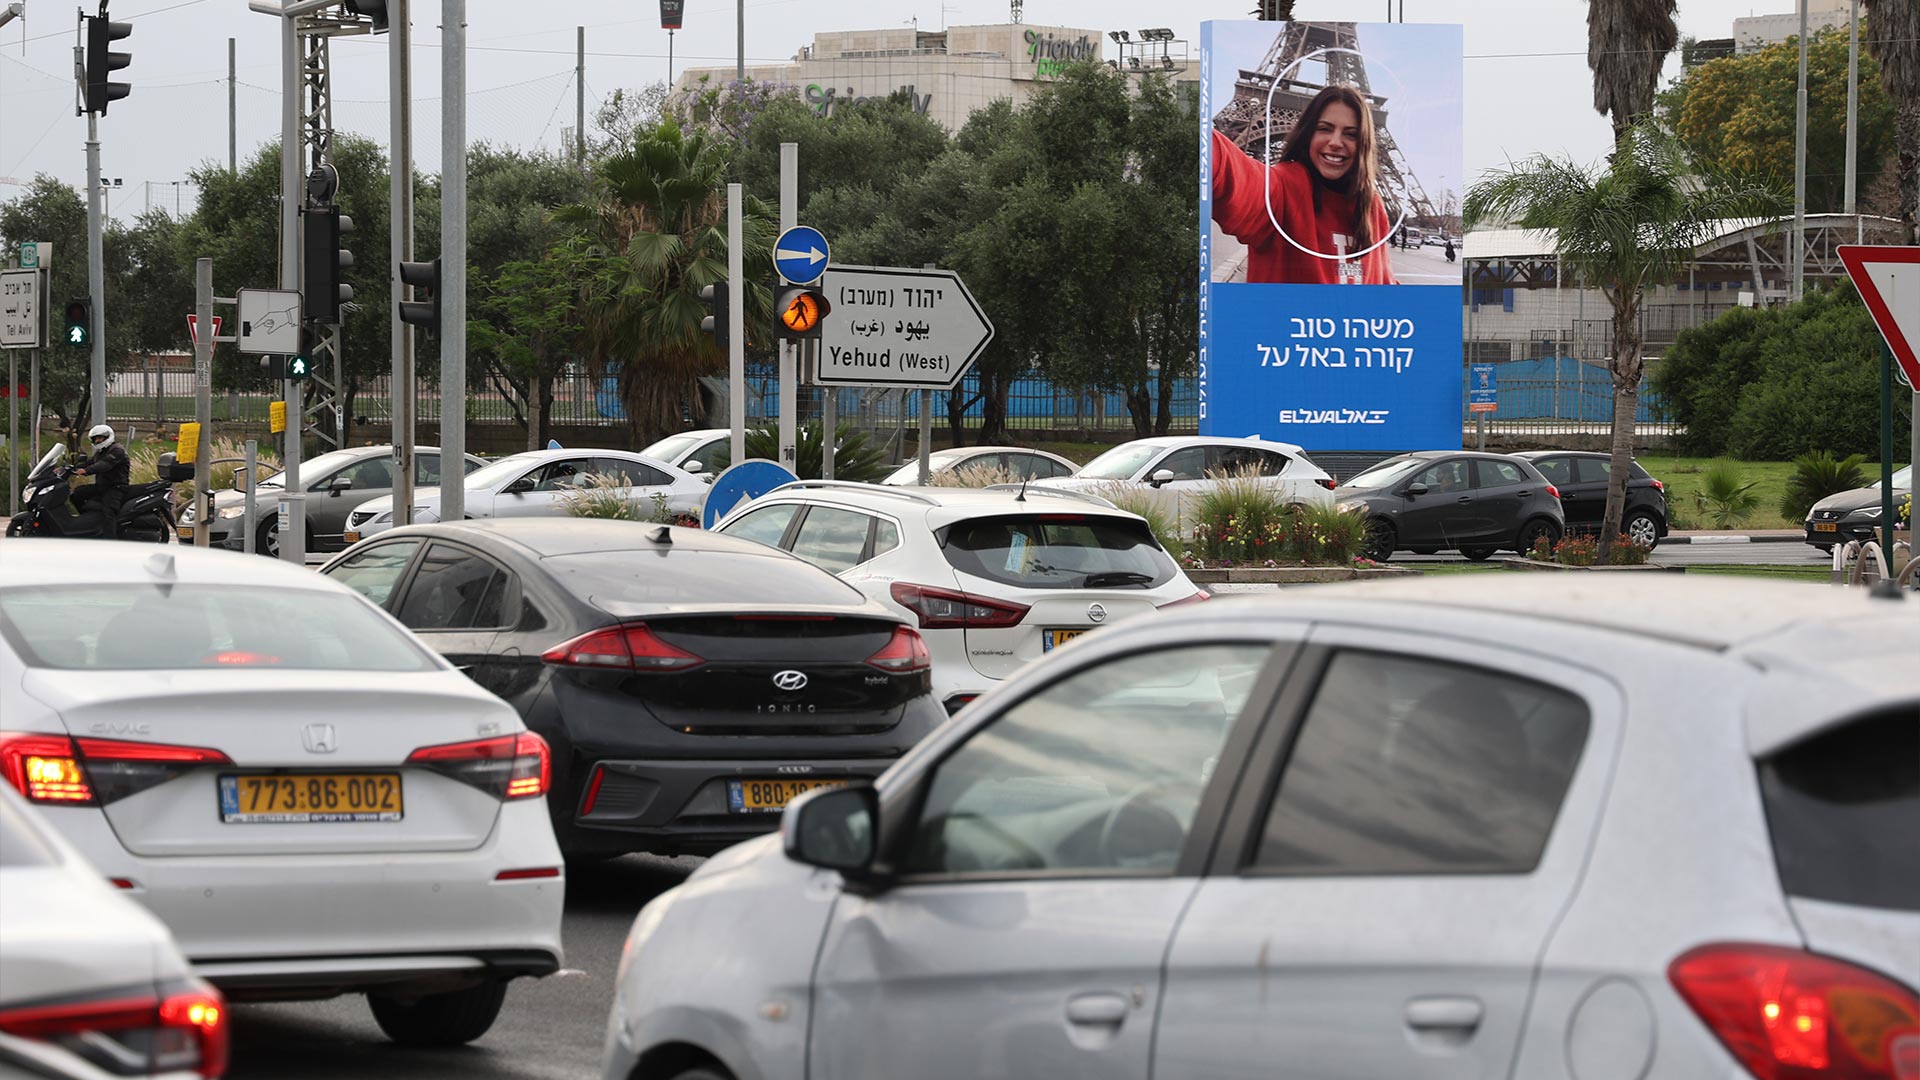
(1464, 499)
(1461, 1014)
(1101, 1009)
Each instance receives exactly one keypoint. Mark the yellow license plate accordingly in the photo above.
(186, 534)
(1826, 526)
(350, 536)
(757, 796)
(301, 798)
(1057, 638)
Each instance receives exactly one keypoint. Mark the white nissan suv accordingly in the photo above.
(311, 800)
(995, 578)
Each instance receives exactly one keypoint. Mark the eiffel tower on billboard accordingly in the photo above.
(1245, 122)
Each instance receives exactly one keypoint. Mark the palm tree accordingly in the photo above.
(1626, 228)
(1627, 44)
(657, 221)
(1893, 32)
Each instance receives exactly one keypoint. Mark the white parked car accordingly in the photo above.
(993, 580)
(1176, 469)
(90, 983)
(534, 483)
(1016, 462)
(310, 799)
(703, 452)
(1437, 829)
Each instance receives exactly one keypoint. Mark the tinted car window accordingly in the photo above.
(372, 473)
(1842, 806)
(1557, 470)
(832, 538)
(374, 572)
(130, 627)
(1446, 476)
(559, 475)
(1499, 473)
(1058, 551)
(426, 470)
(713, 457)
(636, 474)
(886, 537)
(453, 589)
(1103, 770)
(1598, 470)
(684, 576)
(1410, 766)
(1188, 464)
(765, 525)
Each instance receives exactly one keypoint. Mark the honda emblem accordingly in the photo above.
(319, 739)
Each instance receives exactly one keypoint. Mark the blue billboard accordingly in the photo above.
(1330, 267)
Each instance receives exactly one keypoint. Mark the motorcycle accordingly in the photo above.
(146, 515)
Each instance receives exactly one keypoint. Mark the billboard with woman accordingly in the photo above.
(1330, 173)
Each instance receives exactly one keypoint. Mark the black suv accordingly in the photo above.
(1434, 499)
(1582, 480)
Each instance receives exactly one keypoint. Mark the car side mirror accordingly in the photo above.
(520, 486)
(834, 829)
(1415, 489)
(339, 484)
(694, 468)
(1160, 477)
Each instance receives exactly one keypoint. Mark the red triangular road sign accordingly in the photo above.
(193, 327)
(1889, 281)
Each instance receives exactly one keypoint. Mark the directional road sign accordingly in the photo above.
(742, 483)
(892, 326)
(1888, 279)
(801, 255)
(1482, 389)
(36, 255)
(20, 315)
(269, 321)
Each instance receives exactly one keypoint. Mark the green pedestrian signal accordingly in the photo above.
(299, 368)
(79, 323)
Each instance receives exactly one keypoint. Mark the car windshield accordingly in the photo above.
(1059, 551)
(314, 468)
(630, 579)
(1384, 474)
(1902, 480)
(135, 626)
(910, 472)
(1119, 463)
(670, 448)
(501, 471)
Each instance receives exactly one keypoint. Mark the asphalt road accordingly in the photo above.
(550, 1029)
(1711, 554)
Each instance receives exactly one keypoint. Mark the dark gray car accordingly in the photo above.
(336, 482)
(1853, 515)
(1436, 499)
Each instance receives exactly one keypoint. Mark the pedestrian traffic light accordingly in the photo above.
(80, 323)
(424, 310)
(798, 311)
(101, 62)
(299, 368)
(718, 299)
(375, 9)
(326, 264)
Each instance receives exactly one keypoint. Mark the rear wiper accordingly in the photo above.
(1116, 577)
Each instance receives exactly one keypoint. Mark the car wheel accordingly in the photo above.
(1478, 554)
(449, 1019)
(266, 541)
(1642, 528)
(1533, 530)
(1380, 540)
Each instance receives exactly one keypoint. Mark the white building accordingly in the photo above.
(948, 73)
(1757, 31)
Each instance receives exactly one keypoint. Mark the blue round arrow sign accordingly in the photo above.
(801, 255)
(742, 483)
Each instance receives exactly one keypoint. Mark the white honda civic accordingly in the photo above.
(311, 800)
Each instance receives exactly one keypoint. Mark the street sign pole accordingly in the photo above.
(1886, 453)
(453, 255)
(291, 518)
(736, 324)
(400, 409)
(96, 274)
(1888, 280)
(789, 388)
(829, 415)
(203, 398)
(13, 433)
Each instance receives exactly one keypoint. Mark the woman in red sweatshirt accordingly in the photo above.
(1323, 193)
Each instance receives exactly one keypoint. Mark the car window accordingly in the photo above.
(886, 537)
(1841, 808)
(375, 571)
(1414, 766)
(1046, 466)
(1557, 470)
(634, 473)
(375, 473)
(1059, 551)
(454, 589)
(1101, 771)
(681, 575)
(1499, 473)
(1187, 464)
(765, 525)
(1272, 463)
(559, 475)
(426, 469)
(714, 457)
(832, 538)
(1119, 463)
(1446, 476)
(1592, 470)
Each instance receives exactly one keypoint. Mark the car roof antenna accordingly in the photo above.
(1022, 497)
(662, 535)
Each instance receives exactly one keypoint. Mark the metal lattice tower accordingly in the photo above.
(1019, 11)
(1244, 120)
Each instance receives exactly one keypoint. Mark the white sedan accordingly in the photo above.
(535, 484)
(90, 983)
(1175, 470)
(310, 799)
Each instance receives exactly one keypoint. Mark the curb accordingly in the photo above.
(1738, 539)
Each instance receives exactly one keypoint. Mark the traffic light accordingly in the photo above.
(326, 264)
(377, 9)
(717, 299)
(424, 310)
(299, 368)
(101, 62)
(80, 323)
(797, 311)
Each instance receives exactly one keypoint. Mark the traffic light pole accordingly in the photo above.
(453, 259)
(400, 168)
(292, 519)
(789, 395)
(96, 275)
(203, 399)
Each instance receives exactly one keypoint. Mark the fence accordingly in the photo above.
(1563, 396)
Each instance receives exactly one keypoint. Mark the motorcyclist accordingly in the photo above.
(111, 472)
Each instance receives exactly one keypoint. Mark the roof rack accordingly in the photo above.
(1057, 493)
(850, 485)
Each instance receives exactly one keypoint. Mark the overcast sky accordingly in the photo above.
(1527, 87)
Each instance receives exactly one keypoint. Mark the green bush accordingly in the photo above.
(600, 497)
(854, 455)
(1725, 497)
(1816, 475)
(1241, 520)
(1626, 551)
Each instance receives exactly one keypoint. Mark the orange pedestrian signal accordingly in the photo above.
(800, 311)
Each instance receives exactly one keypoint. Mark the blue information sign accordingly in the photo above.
(742, 483)
(1482, 388)
(801, 255)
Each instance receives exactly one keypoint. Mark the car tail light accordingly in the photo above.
(904, 654)
(1198, 596)
(622, 647)
(509, 767)
(528, 874)
(93, 772)
(945, 609)
(1553, 491)
(1658, 485)
(44, 768)
(134, 1034)
(1325, 482)
(1788, 1014)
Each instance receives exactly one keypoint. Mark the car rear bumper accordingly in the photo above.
(330, 923)
(684, 807)
(1843, 531)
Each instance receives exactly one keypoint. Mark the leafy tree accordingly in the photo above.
(1738, 113)
(1893, 35)
(1634, 225)
(1627, 44)
(527, 327)
(855, 457)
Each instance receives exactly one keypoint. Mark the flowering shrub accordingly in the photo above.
(1576, 550)
(1903, 514)
(1628, 552)
(1243, 521)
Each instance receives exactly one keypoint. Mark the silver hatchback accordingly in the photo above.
(1512, 828)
